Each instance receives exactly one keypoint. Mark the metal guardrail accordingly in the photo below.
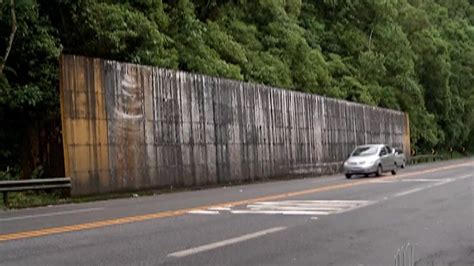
(405, 256)
(32, 184)
(424, 159)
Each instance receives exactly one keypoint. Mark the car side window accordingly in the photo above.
(388, 149)
(383, 151)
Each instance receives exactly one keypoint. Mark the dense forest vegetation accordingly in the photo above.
(411, 55)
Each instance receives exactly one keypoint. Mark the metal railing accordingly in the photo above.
(405, 256)
(424, 159)
(32, 184)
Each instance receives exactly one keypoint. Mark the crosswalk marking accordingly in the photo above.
(278, 212)
(314, 202)
(291, 207)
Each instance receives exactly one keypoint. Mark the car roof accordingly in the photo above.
(371, 145)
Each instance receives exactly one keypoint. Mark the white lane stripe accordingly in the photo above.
(407, 180)
(48, 214)
(332, 206)
(320, 201)
(383, 181)
(304, 213)
(443, 182)
(421, 180)
(223, 243)
(314, 202)
(407, 192)
(280, 212)
(203, 212)
(219, 209)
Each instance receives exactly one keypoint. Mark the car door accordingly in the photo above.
(390, 158)
(383, 158)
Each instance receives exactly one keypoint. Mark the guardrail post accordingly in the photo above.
(5, 199)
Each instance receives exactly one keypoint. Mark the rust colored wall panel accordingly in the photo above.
(129, 127)
(84, 122)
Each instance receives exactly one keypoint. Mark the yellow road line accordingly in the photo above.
(166, 214)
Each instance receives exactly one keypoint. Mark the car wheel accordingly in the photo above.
(394, 171)
(379, 171)
(348, 176)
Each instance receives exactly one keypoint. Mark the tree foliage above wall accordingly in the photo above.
(411, 55)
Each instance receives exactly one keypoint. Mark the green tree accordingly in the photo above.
(416, 56)
(28, 81)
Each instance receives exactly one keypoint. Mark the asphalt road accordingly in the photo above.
(313, 221)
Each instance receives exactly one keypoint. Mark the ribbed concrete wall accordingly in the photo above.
(128, 127)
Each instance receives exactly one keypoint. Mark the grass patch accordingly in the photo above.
(26, 199)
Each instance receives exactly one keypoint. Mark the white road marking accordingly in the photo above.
(291, 207)
(220, 209)
(407, 192)
(313, 202)
(279, 212)
(421, 180)
(320, 207)
(48, 214)
(314, 218)
(294, 208)
(440, 182)
(223, 243)
(444, 182)
(302, 207)
(203, 212)
(383, 181)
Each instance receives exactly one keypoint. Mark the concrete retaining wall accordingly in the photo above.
(128, 127)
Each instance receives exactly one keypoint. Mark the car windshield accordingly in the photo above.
(365, 151)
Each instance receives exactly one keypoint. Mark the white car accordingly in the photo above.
(370, 159)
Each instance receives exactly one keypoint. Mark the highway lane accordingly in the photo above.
(313, 221)
(112, 209)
